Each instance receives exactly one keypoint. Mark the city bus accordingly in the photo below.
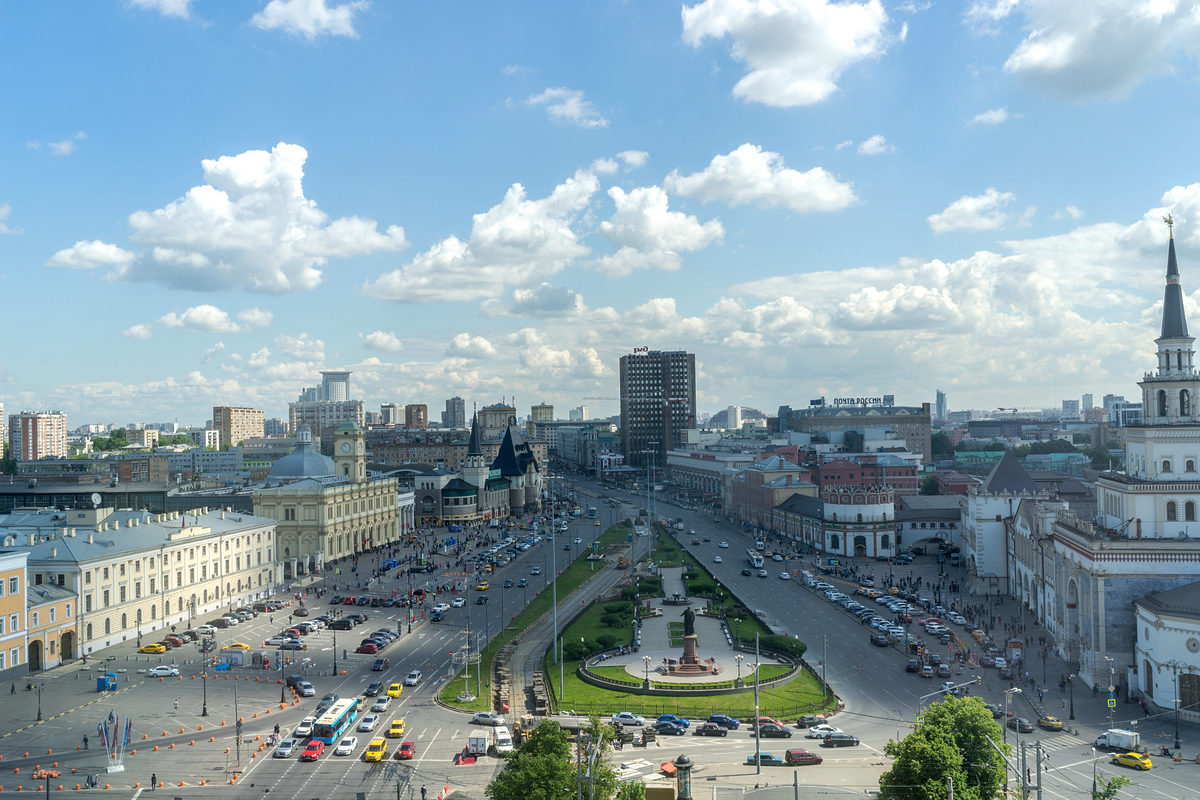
(336, 721)
(755, 558)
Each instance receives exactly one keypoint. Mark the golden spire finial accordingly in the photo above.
(1170, 224)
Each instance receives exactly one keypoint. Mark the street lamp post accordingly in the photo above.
(1071, 691)
(738, 658)
(41, 687)
(1008, 693)
(204, 686)
(646, 681)
(1175, 669)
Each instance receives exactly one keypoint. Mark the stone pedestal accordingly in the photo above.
(689, 663)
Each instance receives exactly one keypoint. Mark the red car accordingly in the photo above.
(368, 649)
(349, 601)
(313, 750)
(406, 751)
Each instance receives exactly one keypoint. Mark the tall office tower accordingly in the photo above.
(577, 414)
(416, 415)
(237, 424)
(274, 427)
(455, 415)
(393, 413)
(940, 409)
(37, 434)
(1070, 408)
(544, 412)
(658, 403)
(733, 417)
(335, 385)
(1088, 402)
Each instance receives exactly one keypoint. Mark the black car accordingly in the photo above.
(724, 720)
(508, 584)
(1021, 725)
(840, 740)
(769, 730)
(301, 612)
(373, 689)
(747, 571)
(996, 709)
(381, 664)
(191, 636)
(912, 666)
(669, 728)
(341, 625)
(481, 600)
(879, 640)
(294, 681)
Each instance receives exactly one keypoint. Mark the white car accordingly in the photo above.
(276, 641)
(723, 544)
(783, 576)
(716, 559)
(487, 718)
(578, 540)
(443, 607)
(459, 602)
(305, 728)
(368, 723)
(206, 630)
(413, 678)
(381, 704)
(777, 557)
(163, 672)
(346, 746)
(821, 731)
(628, 718)
(286, 748)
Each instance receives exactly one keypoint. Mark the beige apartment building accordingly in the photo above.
(237, 424)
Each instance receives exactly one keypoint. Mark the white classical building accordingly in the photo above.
(985, 509)
(1168, 649)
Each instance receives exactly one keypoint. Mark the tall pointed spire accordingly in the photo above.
(1174, 324)
(474, 447)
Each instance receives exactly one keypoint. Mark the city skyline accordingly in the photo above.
(816, 199)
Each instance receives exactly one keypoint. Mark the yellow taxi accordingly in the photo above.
(482, 586)
(487, 568)
(1050, 723)
(395, 690)
(156, 649)
(396, 729)
(237, 646)
(1135, 760)
(376, 750)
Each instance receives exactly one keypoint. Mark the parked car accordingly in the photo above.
(487, 718)
(725, 721)
(623, 718)
(840, 740)
(800, 757)
(1135, 760)
(153, 649)
(766, 759)
(710, 729)
(678, 720)
(369, 649)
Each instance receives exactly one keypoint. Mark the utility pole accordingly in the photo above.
(949, 788)
(1024, 773)
(1039, 769)
(757, 727)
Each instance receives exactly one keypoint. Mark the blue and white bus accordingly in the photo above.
(337, 720)
(755, 558)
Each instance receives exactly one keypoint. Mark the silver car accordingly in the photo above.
(368, 723)
(286, 748)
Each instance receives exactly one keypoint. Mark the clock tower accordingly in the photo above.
(350, 452)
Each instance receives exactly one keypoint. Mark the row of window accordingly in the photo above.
(14, 585)
(14, 658)
(1189, 511)
(137, 564)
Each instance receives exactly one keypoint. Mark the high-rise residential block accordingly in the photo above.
(393, 413)
(455, 415)
(940, 408)
(33, 435)
(274, 427)
(543, 412)
(237, 424)
(416, 415)
(335, 385)
(658, 403)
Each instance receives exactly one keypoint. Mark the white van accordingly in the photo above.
(502, 740)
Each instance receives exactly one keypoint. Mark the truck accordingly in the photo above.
(502, 740)
(477, 745)
(1117, 739)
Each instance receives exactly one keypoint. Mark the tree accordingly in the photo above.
(543, 768)
(929, 484)
(1107, 788)
(951, 743)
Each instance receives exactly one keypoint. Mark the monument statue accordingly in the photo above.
(689, 622)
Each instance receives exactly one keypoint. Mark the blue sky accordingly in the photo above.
(206, 202)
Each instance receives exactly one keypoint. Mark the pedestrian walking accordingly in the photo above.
(13, 690)
(153, 780)
(422, 793)
(85, 742)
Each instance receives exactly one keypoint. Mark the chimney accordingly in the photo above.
(116, 524)
(222, 515)
(54, 552)
(91, 538)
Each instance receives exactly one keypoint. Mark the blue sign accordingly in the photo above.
(630, 539)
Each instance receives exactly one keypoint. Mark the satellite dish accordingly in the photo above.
(96, 499)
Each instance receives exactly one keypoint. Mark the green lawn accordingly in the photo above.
(766, 673)
(571, 579)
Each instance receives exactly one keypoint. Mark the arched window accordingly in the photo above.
(1171, 516)
(107, 625)
(1189, 691)
(884, 542)
(89, 630)
(1191, 465)
(1185, 403)
(124, 621)
(1189, 511)
(1162, 402)
(139, 616)
(860, 517)
(1166, 466)
(1148, 689)
(835, 543)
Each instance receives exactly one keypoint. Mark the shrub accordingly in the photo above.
(574, 651)
(606, 641)
(611, 620)
(628, 593)
(616, 608)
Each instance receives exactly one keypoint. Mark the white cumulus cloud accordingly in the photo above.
(5, 210)
(168, 8)
(648, 235)
(634, 158)
(310, 18)
(569, 105)
(382, 340)
(794, 50)
(750, 174)
(464, 345)
(89, 255)
(518, 242)
(982, 212)
(256, 317)
(248, 227)
(993, 116)
(877, 145)
(302, 347)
